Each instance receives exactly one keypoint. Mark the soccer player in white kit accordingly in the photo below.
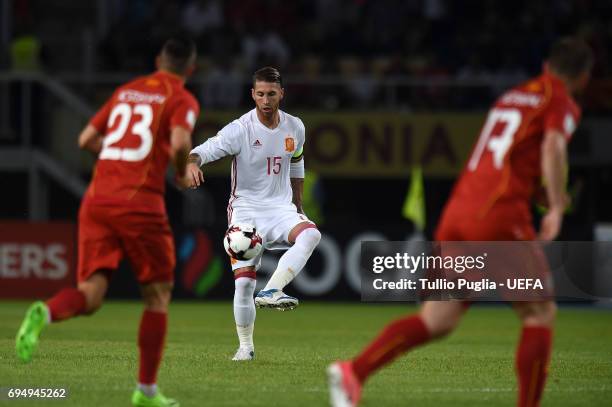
(267, 183)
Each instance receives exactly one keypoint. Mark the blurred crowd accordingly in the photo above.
(378, 47)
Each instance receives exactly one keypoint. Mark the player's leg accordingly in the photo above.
(534, 349)
(149, 245)
(98, 254)
(244, 286)
(67, 303)
(304, 238)
(86, 299)
(244, 311)
(151, 340)
(436, 319)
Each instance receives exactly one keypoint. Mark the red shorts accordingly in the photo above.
(500, 223)
(109, 233)
(524, 260)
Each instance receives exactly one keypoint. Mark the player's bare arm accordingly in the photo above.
(297, 186)
(180, 145)
(296, 175)
(90, 139)
(193, 172)
(554, 162)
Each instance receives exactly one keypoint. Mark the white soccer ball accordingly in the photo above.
(242, 242)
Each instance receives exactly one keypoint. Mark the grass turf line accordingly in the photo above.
(95, 357)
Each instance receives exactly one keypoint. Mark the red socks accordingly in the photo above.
(532, 357)
(151, 338)
(67, 303)
(70, 302)
(398, 337)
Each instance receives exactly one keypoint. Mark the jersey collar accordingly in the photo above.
(555, 79)
(171, 77)
(281, 119)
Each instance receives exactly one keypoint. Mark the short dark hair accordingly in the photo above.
(268, 74)
(570, 57)
(178, 53)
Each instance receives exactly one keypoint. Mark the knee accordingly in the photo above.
(93, 300)
(441, 317)
(538, 314)
(158, 299)
(158, 302)
(244, 285)
(92, 305)
(551, 312)
(311, 237)
(440, 329)
(439, 325)
(94, 290)
(316, 236)
(244, 290)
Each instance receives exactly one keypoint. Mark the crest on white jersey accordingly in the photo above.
(289, 144)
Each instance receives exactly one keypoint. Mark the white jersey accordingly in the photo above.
(262, 157)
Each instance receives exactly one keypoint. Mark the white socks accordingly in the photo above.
(245, 336)
(244, 310)
(149, 390)
(289, 265)
(48, 319)
(294, 259)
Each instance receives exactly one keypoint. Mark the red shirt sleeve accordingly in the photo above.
(561, 117)
(185, 113)
(100, 119)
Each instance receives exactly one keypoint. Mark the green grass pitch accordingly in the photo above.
(95, 357)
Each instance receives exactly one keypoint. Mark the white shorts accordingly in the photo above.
(273, 225)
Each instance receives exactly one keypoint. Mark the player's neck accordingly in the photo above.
(272, 121)
(172, 74)
(567, 83)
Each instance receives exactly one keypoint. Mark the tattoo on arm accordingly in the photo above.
(297, 186)
(194, 159)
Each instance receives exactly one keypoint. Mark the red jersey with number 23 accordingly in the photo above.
(504, 169)
(136, 122)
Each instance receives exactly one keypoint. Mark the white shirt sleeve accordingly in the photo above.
(228, 141)
(296, 169)
(301, 131)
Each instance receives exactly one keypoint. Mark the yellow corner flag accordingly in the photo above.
(414, 204)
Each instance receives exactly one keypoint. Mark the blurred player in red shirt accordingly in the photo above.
(523, 139)
(144, 125)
